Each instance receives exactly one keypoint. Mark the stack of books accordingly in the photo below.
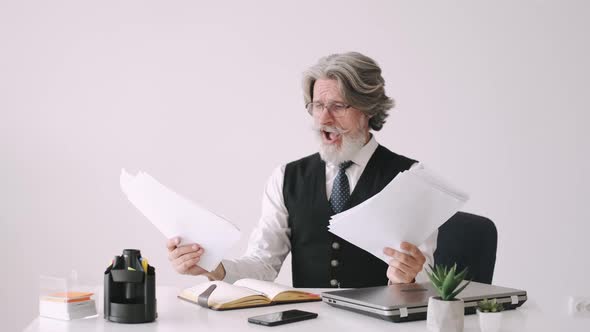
(67, 305)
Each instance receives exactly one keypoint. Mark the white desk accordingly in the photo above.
(175, 315)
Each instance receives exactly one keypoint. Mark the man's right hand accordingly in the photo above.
(185, 258)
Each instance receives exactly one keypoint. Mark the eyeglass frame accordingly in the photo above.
(328, 107)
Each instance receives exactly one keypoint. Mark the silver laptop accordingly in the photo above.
(407, 302)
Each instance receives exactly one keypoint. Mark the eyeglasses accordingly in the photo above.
(336, 109)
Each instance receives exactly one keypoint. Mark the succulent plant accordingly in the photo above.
(446, 281)
(489, 306)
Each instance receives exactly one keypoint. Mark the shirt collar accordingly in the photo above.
(365, 153)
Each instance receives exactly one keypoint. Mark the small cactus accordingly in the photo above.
(446, 281)
(489, 306)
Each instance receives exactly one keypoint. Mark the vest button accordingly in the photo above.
(334, 282)
(334, 262)
(335, 245)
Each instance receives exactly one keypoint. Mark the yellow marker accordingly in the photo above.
(144, 264)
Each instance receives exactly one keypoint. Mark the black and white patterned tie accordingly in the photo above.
(340, 189)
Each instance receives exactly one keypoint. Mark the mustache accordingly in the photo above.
(330, 129)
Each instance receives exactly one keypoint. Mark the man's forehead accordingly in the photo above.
(326, 88)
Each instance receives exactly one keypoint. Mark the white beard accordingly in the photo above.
(351, 144)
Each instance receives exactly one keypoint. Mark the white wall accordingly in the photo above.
(206, 98)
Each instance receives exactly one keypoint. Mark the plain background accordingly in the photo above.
(206, 98)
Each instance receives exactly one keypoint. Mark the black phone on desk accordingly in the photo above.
(282, 317)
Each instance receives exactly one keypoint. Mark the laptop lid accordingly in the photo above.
(397, 296)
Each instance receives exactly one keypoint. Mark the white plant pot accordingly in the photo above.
(445, 316)
(490, 321)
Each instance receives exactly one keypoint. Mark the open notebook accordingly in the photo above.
(246, 293)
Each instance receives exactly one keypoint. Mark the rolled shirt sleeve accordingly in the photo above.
(269, 242)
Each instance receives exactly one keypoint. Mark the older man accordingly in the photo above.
(345, 95)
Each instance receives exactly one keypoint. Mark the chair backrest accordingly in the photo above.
(470, 241)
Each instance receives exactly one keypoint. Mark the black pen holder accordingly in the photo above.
(130, 289)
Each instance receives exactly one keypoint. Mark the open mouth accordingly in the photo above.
(330, 137)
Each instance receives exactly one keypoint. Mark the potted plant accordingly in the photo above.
(446, 313)
(490, 315)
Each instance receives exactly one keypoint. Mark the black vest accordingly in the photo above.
(319, 258)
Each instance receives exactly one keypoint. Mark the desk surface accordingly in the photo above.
(176, 315)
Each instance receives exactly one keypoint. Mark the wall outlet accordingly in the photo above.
(579, 306)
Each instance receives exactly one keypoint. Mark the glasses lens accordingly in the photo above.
(335, 109)
(314, 108)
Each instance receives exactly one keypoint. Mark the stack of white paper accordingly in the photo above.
(174, 215)
(67, 311)
(410, 208)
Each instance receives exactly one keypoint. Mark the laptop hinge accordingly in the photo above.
(403, 312)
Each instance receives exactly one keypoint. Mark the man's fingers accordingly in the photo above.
(411, 249)
(408, 269)
(172, 243)
(400, 256)
(185, 266)
(389, 252)
(400, 266)
(398, 276)
(404, 266)
(414, 251)
(187, 261)
(185, 258)
(189, 256)
(179, 251)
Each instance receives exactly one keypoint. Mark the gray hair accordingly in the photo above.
(360, 83)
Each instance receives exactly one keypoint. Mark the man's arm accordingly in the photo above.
(269, 242)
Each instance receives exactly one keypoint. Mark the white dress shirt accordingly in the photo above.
(269, 242)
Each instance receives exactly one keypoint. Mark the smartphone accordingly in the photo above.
(283, 317)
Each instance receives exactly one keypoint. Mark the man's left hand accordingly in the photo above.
(403, 267)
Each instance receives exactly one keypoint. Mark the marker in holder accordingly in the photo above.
(130, 289)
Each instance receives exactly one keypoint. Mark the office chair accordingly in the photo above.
(470, 241)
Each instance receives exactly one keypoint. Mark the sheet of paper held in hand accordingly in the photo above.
(175, 215)
(410, 208)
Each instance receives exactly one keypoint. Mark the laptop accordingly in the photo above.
(408, 302)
